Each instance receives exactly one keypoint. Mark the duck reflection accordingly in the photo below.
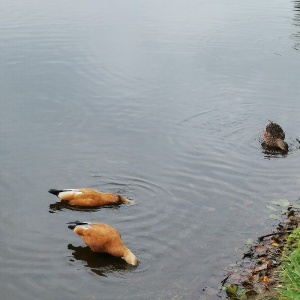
(275, 153)
(63, 205)
(270, 153)
(99, 263)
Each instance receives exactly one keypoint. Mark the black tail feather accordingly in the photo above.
(55, 192)
(73, 224)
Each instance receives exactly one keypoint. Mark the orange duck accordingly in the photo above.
(104, 239)
(273, 136)
(88, 197)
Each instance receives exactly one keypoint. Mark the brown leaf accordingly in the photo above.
(265, 279)
(261, 250)
(251, 277)
(262, 267)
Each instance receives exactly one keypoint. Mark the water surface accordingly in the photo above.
(160, 102)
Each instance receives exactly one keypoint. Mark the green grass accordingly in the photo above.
(289, 288)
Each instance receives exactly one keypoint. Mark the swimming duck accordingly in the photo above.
(103, 238)
(273, 136)
(88, 197)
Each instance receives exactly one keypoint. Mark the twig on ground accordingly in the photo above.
(275, 233)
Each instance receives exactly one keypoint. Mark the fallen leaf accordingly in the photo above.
(281, 202)
(260, 249)
(233, 290)
(264, 279)
(262, 267)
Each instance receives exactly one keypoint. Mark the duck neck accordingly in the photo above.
(130, 258)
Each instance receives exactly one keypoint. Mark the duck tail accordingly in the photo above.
(65, 194)
(73, 224)
(130, 258)
(55, 191)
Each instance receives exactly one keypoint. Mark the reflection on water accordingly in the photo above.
(62, 205)
(274, 153)
(99, 263)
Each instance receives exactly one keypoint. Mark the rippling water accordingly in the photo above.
(160, 102)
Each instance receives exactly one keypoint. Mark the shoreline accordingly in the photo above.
(256, 276)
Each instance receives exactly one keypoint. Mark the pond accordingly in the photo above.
(161, 102)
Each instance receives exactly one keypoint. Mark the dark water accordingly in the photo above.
(162, 102)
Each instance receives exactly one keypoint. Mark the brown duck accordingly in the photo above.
(103, 238)
(273, 136)
(88, 197)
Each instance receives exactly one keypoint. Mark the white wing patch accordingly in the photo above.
(85, 226)
(68, 193)
(72, 190)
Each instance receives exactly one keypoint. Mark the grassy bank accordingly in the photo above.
(270, 270)
(289, 279)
